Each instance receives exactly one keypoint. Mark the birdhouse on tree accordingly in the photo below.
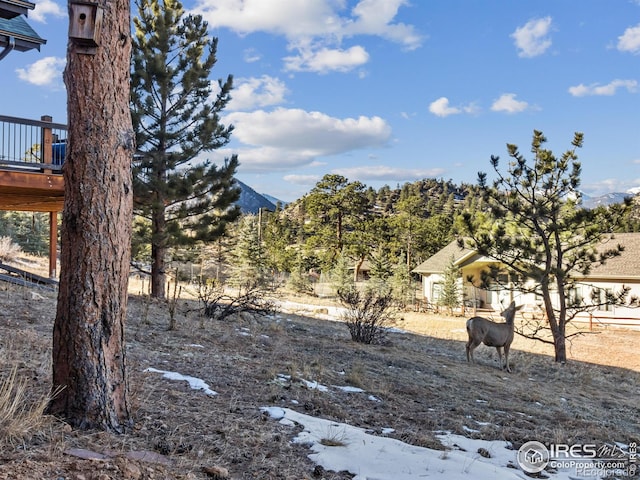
(85, 24)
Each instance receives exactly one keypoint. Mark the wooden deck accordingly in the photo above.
(31, 191)
(31, 158)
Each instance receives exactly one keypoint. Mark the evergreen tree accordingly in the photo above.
(379, 272)
(176, 119)
(248, 263)
(299, 280)
(89, 383)
(334, 208)
(30, 230)
(278, 233)
(540, 234)
(450, 294)
(341, 276)
(402, 289)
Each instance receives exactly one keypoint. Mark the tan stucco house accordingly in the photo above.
(616, 272)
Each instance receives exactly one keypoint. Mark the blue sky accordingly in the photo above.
(391, 91)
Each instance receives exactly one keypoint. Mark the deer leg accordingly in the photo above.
(471, 346)
(499, 349)
(506, 357)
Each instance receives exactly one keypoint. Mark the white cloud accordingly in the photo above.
(257, 92)
(46, 71)
(326, 60)
(315, 132)
(629, 41)
(507, 103)
(531, 39)
(608, 89)
(608, 185)
(442, 108)
(251, 55)
(302, 179)
(287, 138)
(375, 17)
(314, 28)
(44, 8)
(290, 18)
(386, 173)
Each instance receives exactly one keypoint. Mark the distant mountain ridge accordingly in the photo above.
(604, 200)
(251, 201)
(273, 200)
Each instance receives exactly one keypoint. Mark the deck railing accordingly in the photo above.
(32, 144)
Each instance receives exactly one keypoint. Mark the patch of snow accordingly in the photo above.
(483, 424)
(349, 389)
(195, 345)
(371, 457)
(315, 385)
(373, 398)
(194, 383)
(395, 330)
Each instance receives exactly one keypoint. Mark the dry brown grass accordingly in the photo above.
(20, 417)
(9, 251)
(421, 379)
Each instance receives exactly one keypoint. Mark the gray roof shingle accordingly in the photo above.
(25, 37)
(623, 267)
(438, 262)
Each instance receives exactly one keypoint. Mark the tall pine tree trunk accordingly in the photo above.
(159, 235)
(88, 337)
(557, 326)
(158, 254)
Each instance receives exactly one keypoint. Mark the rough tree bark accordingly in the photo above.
(88, 338)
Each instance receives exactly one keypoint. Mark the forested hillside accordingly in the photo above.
(390, 228)
(338, 222)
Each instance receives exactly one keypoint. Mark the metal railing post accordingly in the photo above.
(47, 142)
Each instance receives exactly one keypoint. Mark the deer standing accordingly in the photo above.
(492, 334)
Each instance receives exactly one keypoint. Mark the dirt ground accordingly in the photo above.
(422, 379)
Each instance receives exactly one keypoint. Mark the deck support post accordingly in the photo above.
(53, 244)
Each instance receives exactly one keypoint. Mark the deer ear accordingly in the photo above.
(519, 307)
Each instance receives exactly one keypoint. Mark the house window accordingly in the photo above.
(436, 292)
(600, 298)
(574, 297)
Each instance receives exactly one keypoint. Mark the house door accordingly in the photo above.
(499, 295)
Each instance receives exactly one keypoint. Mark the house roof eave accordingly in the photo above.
(14, 8)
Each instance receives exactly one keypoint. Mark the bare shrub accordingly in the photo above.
(19, 419)
(368, 315)
(219, 303)
(9, 251)
(172, 302)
